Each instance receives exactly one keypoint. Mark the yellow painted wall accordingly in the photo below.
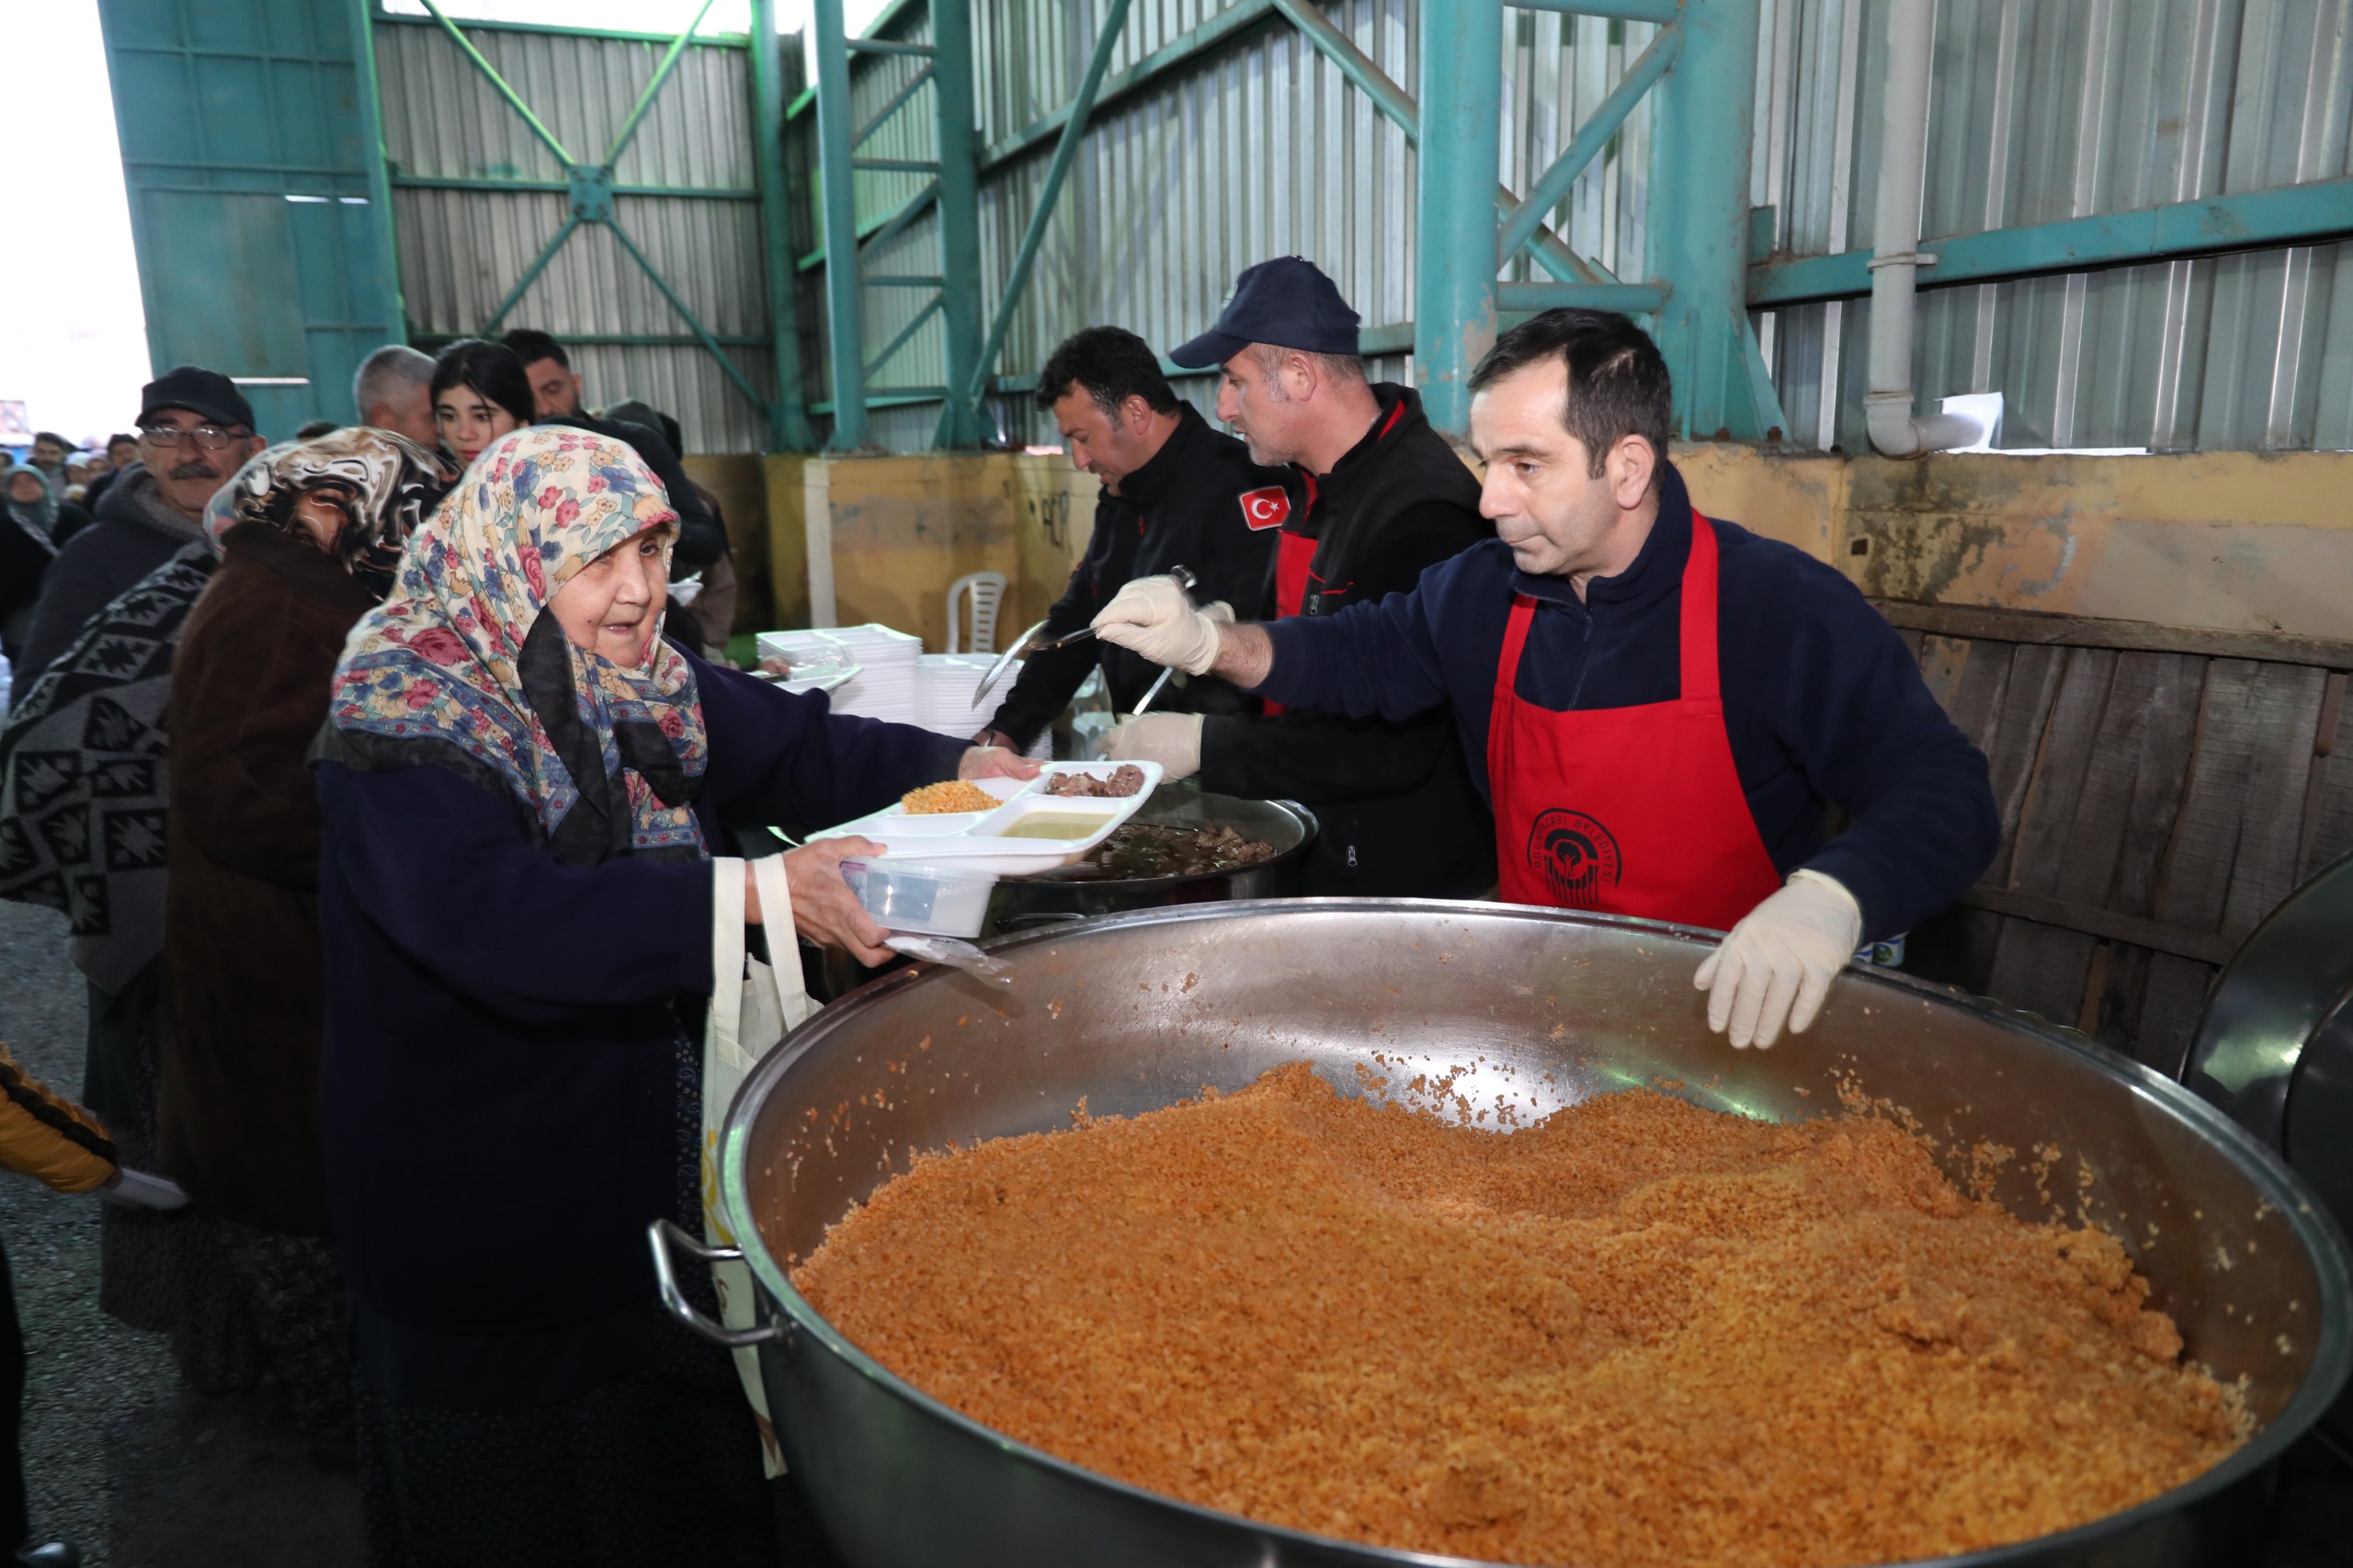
(2231, 540)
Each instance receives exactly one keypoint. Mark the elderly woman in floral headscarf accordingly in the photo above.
(521, 789)
(308, 536)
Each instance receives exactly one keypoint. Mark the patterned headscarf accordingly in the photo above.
(38, 519)
(460, 668)
(385, 486)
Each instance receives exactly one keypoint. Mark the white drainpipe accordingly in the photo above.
(1895, 244)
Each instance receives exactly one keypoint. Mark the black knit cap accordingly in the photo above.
(208, 393)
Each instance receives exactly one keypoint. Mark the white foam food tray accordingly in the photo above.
(982, 839)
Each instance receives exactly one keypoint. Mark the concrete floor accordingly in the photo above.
(120, 1456)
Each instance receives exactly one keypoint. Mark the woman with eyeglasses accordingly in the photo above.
(479, 393)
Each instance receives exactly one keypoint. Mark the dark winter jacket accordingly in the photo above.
(241, 988)
(1822, 704)
(1201, 504)
(1400, 814)
(133, 534)
(500, 1084)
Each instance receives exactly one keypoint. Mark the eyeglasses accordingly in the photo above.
(212, 438)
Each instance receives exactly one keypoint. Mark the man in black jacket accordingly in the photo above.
(1385, 498)
(1174, 493)
(195, 430)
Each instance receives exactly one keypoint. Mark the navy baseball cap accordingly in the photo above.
(1287, 302)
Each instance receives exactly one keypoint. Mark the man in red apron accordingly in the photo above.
(1660, 707)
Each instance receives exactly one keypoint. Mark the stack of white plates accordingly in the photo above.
(886, 685)
(944, 684)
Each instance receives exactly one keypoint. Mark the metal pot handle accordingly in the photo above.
(659, 1235)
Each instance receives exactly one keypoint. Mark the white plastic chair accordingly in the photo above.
(987, 591)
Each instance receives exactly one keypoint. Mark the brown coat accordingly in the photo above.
(241, 988)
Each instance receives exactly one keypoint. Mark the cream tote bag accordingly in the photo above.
(753, 1006)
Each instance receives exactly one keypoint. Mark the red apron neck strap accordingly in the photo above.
(1523, 612)
(1698, 677)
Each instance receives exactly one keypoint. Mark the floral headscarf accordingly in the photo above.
(38, 519)
(459, 668)
(385, 485)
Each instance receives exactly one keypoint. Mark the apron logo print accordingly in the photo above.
(1575, 855)
(1268, 508)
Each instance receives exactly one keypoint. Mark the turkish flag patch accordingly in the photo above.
(1268, 508)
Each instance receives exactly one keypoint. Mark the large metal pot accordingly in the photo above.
(1139, 1011)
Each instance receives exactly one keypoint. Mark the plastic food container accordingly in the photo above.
(908, 895)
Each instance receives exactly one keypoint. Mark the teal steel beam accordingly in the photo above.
(1520, 225)
(915, 84)
(1526, 298)
(2284, 215)
(845, 355)
(514, 99)
(564, 187)
(895, 165)
(1174, 55)
(902, 281)
(959, 185)
(874, 230)
(530, 274)
(1082, 105)
(545, 30)
(1700, 133)
(653, 88)
(887, 397)
(694, 324)
(883, 46)
(1454, 208)
(1661, 11)
(905, 333)
(380, 190)
(788, 414)
(1357, 68)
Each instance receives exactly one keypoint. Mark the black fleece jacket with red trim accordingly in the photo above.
(1400, 814)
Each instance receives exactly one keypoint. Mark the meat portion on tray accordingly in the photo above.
(1120, 783)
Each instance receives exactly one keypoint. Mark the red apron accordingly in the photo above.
(1628, 810)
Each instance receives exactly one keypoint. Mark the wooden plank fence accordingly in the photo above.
(2161, 788)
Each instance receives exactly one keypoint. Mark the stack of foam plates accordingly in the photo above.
(944, 684)
(885, 685)
(818, 662)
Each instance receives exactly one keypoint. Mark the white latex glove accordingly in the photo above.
(1153, 617)
(140, 1189)
(1172, 740)
(1776, 966)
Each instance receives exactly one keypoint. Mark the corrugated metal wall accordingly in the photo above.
(2043, 109)
(461, 251)
(2049, 109)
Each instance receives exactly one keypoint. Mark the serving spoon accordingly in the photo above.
(1184, 580)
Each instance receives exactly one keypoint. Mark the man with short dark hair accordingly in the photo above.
(1661, 708)
(48, 454)
(555, 400)
(122, 450)
(555, 385)
(1385, 498)
(1174, 493)
(195, 430)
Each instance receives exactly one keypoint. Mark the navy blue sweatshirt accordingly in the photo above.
(1823, 703)
(499, 1083)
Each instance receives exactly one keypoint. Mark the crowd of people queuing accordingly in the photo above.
(383, 778)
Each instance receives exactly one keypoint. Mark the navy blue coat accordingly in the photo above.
(500, 1092)
(1823, 703)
